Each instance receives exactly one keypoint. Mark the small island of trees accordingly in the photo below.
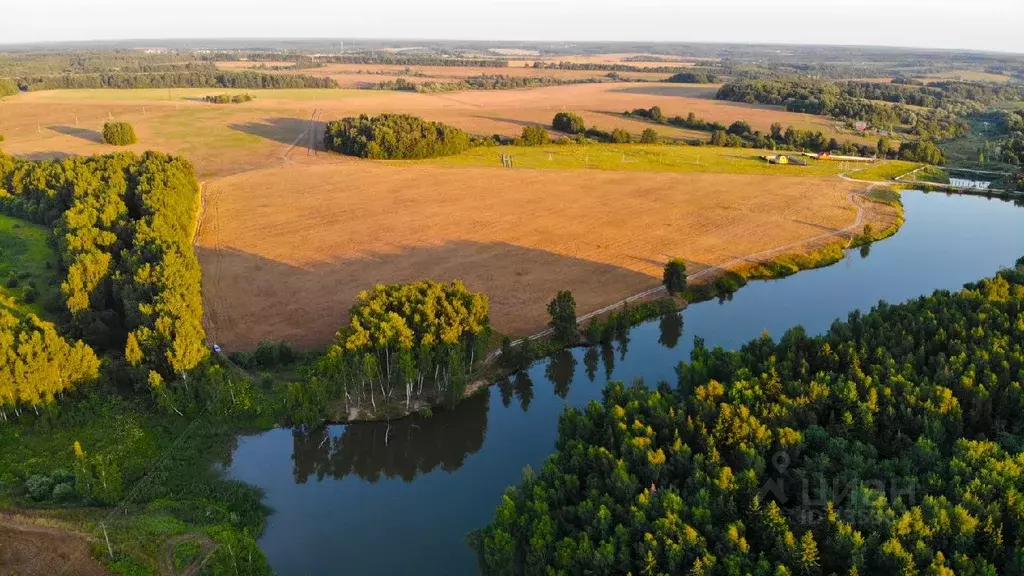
(394, 137)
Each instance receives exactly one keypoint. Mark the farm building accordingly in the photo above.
(837, 157)
(783, 159)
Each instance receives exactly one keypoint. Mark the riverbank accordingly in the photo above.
(464, 458)
(716, 282)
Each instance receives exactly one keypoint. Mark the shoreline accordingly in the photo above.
(715, 282)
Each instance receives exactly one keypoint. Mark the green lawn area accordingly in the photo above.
(28, 268)
(638, 158)
(888, 170)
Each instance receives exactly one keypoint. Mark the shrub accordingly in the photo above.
(394, 137)
(119, 133)
(569, 123)
(620, 136)
(535, 136)
(650, 136)
(39, 487)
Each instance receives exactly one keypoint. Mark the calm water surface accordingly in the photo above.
(370, 499)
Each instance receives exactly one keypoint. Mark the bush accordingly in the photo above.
(535, 136)
(650, 136)
(39, 487)
(119, 133)
(620, 136)
(394, 137)
(569, 123)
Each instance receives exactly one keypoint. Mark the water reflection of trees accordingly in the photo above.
(671, 326)
(402, 448)
(560, 371)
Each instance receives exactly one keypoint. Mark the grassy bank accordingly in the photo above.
(639, 158)
(28, 269)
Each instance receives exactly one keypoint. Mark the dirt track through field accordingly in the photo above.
(285, 251)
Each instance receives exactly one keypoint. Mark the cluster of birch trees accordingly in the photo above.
(406, 341)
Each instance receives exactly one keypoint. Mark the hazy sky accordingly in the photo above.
(972, 24)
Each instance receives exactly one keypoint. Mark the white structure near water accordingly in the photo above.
(973, 184)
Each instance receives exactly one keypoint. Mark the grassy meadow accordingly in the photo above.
(641, 158)
(28, 268)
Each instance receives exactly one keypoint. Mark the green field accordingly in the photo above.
(28, 268)
(640, 158)
(884, 171)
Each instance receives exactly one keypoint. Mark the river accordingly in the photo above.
(399, 498)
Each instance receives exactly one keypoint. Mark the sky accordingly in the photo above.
(995, 25)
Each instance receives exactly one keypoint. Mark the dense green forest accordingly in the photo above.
(889, 445)
(123, 226)
(394, 137)
(208, 78)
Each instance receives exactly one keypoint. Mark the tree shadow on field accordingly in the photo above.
(676, 90)
(83, 133)
(514, 121)
(250, 298)
(44, 155)
(284, 130)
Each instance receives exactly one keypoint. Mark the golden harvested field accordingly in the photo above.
(286, 250)
(227, 139)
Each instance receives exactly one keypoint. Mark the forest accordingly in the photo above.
(888, 445)
(394, 137)
(123, 226)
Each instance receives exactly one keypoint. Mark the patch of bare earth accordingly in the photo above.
(29, 549)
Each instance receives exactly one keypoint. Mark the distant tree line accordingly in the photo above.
(600, 67)
(888, 445)
(689, 122)
(844, 101)
(740, 135)
(199, 79)
(123, 226)
(393, 59)
(228, 98)
(483, 82)
(693, 78)
(395, 137)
